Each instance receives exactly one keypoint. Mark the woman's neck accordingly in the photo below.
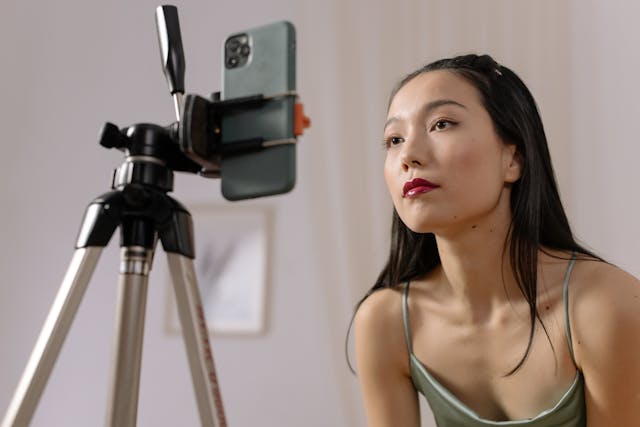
(476, 268)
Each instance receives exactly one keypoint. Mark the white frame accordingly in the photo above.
(233, 287)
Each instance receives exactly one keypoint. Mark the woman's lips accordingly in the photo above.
(417, 186)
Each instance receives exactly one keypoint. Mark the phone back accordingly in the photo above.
(260, 61)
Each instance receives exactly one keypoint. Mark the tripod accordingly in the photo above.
(140, 207)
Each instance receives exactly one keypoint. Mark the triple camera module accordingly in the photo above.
(237, 51)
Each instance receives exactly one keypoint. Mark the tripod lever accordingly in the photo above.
(171, 52)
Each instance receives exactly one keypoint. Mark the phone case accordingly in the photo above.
(266, 67)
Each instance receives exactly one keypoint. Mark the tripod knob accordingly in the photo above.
(111, 137)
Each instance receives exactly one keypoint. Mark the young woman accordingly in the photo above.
(487, 305)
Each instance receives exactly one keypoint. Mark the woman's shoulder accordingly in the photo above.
(381, 307)
(605, 306)
(595, 279)
(378, 327)
(604, 309)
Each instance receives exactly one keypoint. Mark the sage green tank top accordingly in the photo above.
(449, 411)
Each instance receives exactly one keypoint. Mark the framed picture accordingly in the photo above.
(231, 267)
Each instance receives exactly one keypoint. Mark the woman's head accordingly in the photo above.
(446, 167)
(516, 122)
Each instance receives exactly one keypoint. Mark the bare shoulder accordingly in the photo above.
(382, 361)
(380, 314)
(605, 312)
(605, 320)
(378, 325)
(381, 306)
(595, 284)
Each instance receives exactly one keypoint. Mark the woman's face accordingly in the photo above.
(446, 168)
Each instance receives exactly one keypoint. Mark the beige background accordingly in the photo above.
(68, 66)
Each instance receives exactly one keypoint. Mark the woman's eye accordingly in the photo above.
(393, 140)
(442, 124)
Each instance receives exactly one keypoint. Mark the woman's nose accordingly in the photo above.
(413, 154)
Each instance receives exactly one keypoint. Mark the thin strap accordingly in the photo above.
(405, 315)
(565, 299)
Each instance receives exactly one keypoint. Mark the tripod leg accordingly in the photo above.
(129, 330)
(54, 331)
(196, 338)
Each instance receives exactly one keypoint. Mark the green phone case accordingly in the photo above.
(269, 70)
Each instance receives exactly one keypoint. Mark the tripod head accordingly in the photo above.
(194, 143)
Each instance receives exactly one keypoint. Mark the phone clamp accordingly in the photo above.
(201, 129)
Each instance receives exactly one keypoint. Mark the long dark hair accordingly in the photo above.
(538, 219)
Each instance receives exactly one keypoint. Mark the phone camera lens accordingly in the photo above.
(233, 45)
(245, 50)
(232, 61)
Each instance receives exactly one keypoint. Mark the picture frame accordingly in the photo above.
(231, 265)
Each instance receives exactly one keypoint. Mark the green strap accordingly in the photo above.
(405, 315)
(565, 299)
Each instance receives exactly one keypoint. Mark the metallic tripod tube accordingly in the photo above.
(196, 339)
(122, 408)
(51, 338)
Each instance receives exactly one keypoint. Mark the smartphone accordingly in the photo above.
(260, 60)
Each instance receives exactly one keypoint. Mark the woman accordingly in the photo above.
(487, 304)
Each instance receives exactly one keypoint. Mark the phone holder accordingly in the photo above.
(201, 129)
(194, 144)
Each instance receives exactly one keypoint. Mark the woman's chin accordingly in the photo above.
(419, 228)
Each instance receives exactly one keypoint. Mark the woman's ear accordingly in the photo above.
(512, 163)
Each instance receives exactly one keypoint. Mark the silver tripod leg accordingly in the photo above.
(196, 339)
(54, 331)
(122, 407)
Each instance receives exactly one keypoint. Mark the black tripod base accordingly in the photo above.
(141, 212)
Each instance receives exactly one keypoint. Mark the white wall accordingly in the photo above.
(605, 60)
(71, 65)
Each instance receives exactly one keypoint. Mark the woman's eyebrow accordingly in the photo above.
(428, 108)
(432, 105)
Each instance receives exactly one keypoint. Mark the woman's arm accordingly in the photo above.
(383, 362)
(606, 324)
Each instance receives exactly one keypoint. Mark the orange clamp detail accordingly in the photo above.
(300, 121)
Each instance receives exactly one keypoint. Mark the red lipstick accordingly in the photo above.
(417, 186)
